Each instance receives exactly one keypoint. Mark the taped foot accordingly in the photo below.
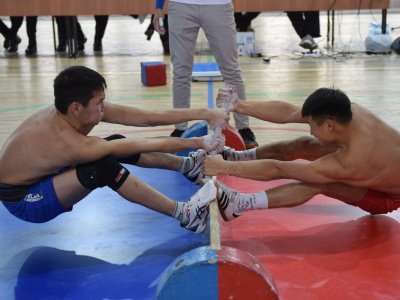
(197, 208)
(233, 155)
(228, 202)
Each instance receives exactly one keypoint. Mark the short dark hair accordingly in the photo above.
(76, 83)
(328, 103)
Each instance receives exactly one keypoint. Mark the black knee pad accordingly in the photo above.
(104, 172)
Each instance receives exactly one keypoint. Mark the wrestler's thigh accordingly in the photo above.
(346, 193)
(68, 188)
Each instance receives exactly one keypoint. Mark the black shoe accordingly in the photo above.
(62, 46)
(97, 46)
(14, 42)
(248, 138)
(81, 44)
(30, 50)
(177, 133)
(6, 44)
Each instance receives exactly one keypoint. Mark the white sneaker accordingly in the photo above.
(195, 174)
(196, 209)
(228, 202)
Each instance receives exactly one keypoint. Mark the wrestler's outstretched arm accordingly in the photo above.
(271, 111)
(94, 148)
(128, 115)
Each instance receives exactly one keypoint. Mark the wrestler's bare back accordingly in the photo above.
(372, 155)
(40, 146)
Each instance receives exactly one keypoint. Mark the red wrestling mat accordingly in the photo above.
(323, 249)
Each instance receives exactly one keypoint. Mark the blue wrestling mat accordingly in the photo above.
(106, 248)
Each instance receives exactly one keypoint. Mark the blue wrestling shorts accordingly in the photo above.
(39, 205)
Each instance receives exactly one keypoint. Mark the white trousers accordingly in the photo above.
(218, 24)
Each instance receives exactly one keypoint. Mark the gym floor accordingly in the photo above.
(107, 248)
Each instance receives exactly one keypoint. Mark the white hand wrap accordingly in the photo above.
(214, 142)
(227, 98)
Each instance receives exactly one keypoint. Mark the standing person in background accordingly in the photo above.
(31, 22)
(101, 24)
(306, 24)
(11, 39)
(62, 34)
(216, 18)
(164, 37)
(11, 44)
